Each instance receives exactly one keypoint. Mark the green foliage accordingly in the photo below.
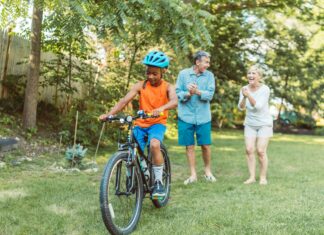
(11, 11)
(295, 65)
(30, 132)
(319, 131)
(15, 85)
(283, 36)
(6, 120)
(175, 22)
(75, 155)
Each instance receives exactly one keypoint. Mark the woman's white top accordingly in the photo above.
(259, 115)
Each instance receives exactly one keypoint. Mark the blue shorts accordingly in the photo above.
(186, 133)
(155, 131)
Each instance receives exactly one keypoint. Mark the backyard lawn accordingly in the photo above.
(35, 200)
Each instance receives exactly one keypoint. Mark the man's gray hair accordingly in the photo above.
(199, 54)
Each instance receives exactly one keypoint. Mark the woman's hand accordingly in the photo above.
(245, 92)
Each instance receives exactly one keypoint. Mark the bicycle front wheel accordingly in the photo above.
(120, 197)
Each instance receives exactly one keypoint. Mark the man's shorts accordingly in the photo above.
(186, 133)
(155, 131)
(258, 131)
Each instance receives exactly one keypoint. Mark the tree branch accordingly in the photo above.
(221, 8)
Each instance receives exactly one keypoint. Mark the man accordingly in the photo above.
(195, 89)
(155, 96)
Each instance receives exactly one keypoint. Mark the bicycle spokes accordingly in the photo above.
(121, 196)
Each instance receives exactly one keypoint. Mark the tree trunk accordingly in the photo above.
(4, 90)
(31, 92)
(57, 80)
(282, 100)
(132, 62)
(69, 96)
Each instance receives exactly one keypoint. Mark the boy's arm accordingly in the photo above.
(124, 101)
(173, 101)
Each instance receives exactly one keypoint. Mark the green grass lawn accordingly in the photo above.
(34, 200)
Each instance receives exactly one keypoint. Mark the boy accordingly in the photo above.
(155, 96)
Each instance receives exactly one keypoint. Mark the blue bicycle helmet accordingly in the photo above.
(156, 59)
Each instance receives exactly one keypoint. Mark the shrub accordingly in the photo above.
(75, 155)
(319, 131)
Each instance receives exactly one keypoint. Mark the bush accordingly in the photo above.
(297, 120)
(75, 155)
(319, 131)
(89, 126)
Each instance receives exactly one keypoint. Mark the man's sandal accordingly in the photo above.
(210, 178)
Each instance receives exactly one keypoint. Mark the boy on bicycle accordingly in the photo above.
(155, 96)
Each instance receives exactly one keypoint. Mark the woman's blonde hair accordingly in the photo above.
(257, 69)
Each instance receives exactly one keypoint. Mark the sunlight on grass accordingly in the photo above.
(16, 193)
(228, 137)
(59, 210)
(320, 141)
(226, 149)
(69, 203)
(298, 139)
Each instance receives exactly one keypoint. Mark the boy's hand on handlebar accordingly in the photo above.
(157, 112)
(104, 117)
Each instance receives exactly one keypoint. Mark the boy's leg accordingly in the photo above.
(155, 138)
(140, 134)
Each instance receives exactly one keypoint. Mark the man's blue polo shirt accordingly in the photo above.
(195, 109)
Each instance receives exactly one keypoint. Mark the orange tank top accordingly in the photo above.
(151, 98)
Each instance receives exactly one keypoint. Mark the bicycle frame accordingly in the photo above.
(133, 162)
(124, 183)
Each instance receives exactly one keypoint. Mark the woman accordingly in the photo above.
(258, 123)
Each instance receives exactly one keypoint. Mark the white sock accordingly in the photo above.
(158, 172)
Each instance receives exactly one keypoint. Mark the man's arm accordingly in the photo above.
(207, 95)
(173, 101)
(182, 94)
(124, 101)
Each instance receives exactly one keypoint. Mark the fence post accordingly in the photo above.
(4, 76)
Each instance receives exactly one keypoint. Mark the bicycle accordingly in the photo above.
(127, 179)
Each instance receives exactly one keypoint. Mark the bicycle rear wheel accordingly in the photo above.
(166, 178)
(120, 207)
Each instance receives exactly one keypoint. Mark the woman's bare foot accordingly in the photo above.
(263, 182)
(249, 181)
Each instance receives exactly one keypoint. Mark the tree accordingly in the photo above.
(31, 92)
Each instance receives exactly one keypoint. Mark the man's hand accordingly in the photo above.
(192, 89)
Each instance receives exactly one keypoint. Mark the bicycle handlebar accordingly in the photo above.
(129, 118)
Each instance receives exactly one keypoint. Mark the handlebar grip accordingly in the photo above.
(150, 114)
(111, 118)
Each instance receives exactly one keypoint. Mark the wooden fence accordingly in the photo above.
(14, 53)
